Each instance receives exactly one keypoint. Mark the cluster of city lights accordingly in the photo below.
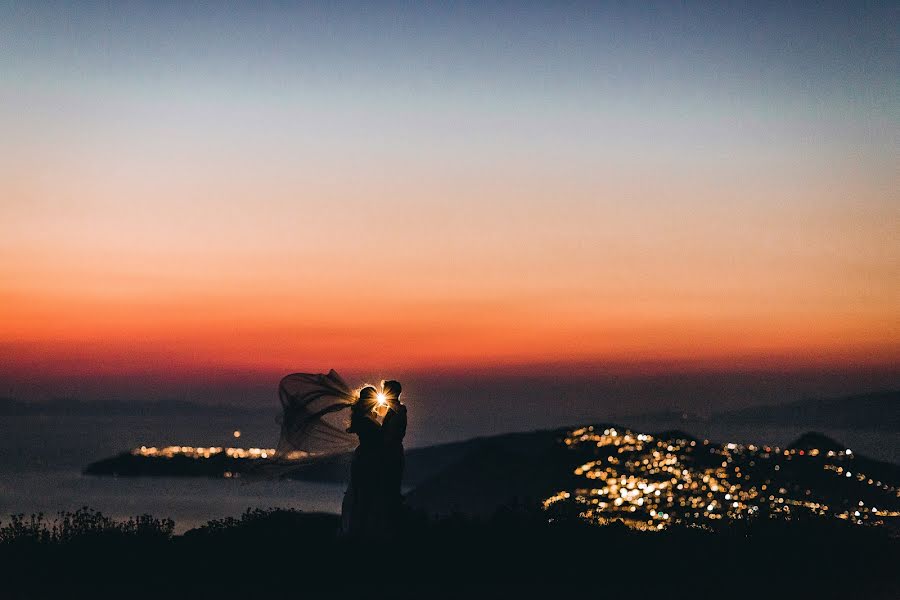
(201, 452)
(650, 484)
(863, 478)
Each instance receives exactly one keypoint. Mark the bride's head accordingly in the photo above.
(368, 397)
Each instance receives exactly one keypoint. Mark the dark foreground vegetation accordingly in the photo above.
(298, 555)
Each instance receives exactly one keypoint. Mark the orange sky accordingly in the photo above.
(312, 274)
(318, 192)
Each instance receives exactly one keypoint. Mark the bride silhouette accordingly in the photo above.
(313, 424)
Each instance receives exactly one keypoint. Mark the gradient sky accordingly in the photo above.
(197, 191)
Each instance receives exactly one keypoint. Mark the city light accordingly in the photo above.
(201, 452)
(650, 484)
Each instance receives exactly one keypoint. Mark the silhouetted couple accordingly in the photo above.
(314, 426)
(373, 500)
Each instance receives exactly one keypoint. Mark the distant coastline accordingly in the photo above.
(869, 411)
(872, 411)
(877, 410)
(72, 407)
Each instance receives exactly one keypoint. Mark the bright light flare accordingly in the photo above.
(381, 399)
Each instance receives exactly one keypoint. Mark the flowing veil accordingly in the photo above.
(312, 420)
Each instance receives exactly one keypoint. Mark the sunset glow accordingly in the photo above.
(298, 200)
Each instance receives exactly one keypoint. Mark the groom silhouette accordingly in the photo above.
(394, 430)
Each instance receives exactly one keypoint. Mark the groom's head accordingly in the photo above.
(392, 389)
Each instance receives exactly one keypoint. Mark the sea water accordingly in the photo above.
(42, 457)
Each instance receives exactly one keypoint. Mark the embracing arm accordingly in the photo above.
(395, 423)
